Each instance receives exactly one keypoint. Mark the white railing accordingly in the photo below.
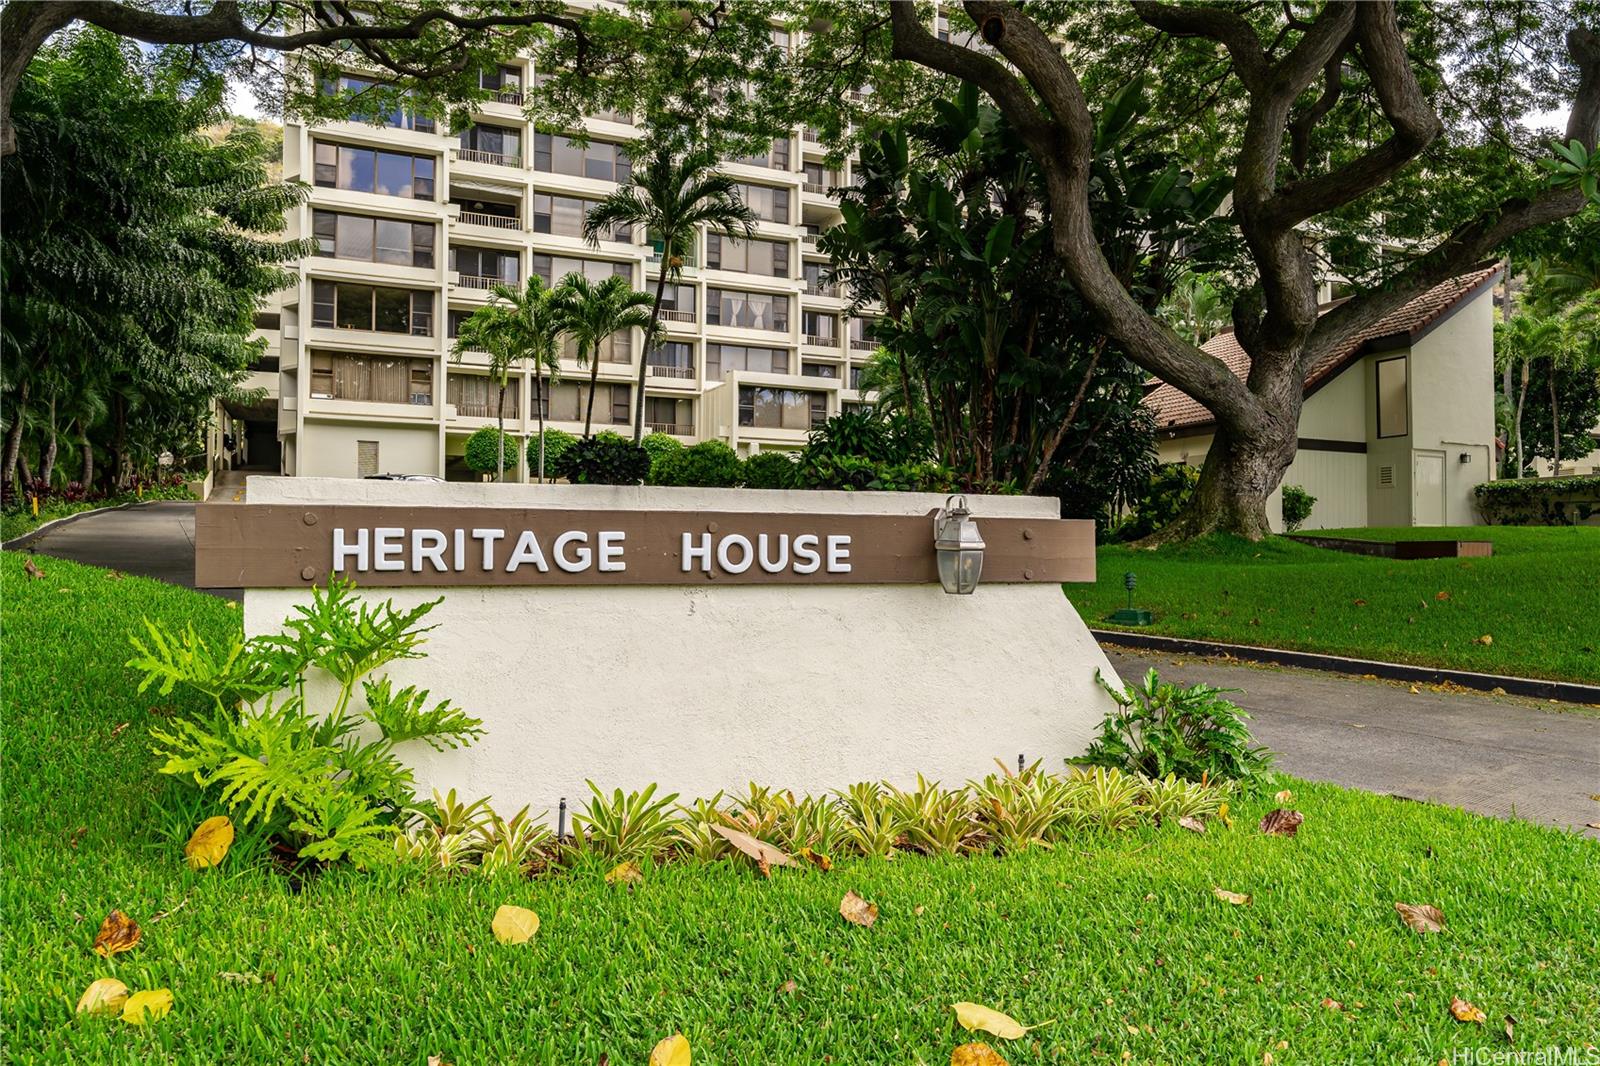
(509, 96)
(813, 186)
(808, 242)
(822, 290)
(677, 316)
(478, 218)
(473, 155)
(478, 281)
(862, 346)
(670, 427)
(660, 370)
(821, 342)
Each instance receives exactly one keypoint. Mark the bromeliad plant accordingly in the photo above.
(317, 771)
(1159, 729)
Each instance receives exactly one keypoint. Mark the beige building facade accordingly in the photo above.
(414, 225)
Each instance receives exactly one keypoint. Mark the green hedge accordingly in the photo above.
(1540, 501)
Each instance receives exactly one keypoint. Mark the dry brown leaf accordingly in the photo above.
(151, 1006)
(105, 996)
(1462, 1011)
(976, 1053)
(1282, 823)
(986, 1019)
(765, 855)
(1592, 825)
(817, 859)
(118, 933)
(1238, 899)
(673, 1051)
(32, 570)
(857, 910)
(1332, 1004)
(1511, 1029)
(210, 842)
(918, 909)
(1424, 917)
(514, 925)
(1485, 640)
(788, 988)
(1441, 596)
(1192, 824)
(625, 873)
(1284, 796)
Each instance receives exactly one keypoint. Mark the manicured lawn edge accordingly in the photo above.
(28, 536)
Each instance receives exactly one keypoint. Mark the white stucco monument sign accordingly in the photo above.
(696, 638)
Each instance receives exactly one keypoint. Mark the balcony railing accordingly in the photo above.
(485, 410)
(808, 242)
(818, 341)
(479, 281)
(499, 159)
(661, 370)
(820, 289)
(509, 96)
(478, 218)
(680, 428)
(815, 187)
(677, 316)
(859, 345)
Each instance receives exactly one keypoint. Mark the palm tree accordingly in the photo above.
(592, 313)
(671, 196)
(516, 326)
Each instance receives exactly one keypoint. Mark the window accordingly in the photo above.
(375, 240)
(855, 378)
(769, 258)
(569, 403)
(820, 328)
(747, 310)
(480, 267)
(818, 179)
(601, 160)
(492, 144)
(674, 359)
(478, 395)
(376, 308)
(766, 408)
(342, 166)
(819, 370)
(371, 378)
(776, 158)
(721, 358)
(617, 348)
(504, 81)
(397, 117)
(366, 458)
(861, 335)
(667, 414)
(552, 268)
(767, 202)
(1393, 412)
(563, 216)
(815, 275)
(268, 320)
(678, 303)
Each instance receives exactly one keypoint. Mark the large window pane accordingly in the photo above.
(394, 242)
(394, 174)
(392, 312)
(355, 307)
(1393, 417)
(355, 237)
(356, 167)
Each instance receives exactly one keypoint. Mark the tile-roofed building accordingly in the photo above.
(1398, 425)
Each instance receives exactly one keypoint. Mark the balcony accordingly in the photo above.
(818, 341)
(808, 242)
(478, 218)
(668, 315)
(819, 289)
(476, 155)
(815, 187)
(859, 345)
(679, 428)
(509, 96)
(659, 370)
(480, 281)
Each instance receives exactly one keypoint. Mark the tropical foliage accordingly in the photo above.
(591, 312)
(1159, 729)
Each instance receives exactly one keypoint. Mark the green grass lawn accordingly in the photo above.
(1537, 598)
(1117, 938)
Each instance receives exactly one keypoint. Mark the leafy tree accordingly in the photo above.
(135, 250)
(671, 196)
(516, 327)
(592, 313)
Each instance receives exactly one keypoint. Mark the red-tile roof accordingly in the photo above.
(1175, 409)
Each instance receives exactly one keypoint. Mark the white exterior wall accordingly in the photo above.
(700, 688)
(331, 451)
(1452, 403)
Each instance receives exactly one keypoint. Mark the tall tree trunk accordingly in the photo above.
(652, 341)
(119, 442)
(1054, 441)
(1522, 399)
(538, 406)
(86, 479)
(47, 459)
(14, 434)
(594, 383)
(500, 441)
(1555, 423)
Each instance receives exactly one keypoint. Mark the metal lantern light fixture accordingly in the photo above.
(959, 546)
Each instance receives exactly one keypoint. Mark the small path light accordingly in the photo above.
(1131, 615)
(959, 546)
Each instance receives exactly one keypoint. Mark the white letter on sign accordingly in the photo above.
(774, 566)
(693, 551)
(388, 544)
(343, 551)
(428, 544)
(581, 563)
(839, 554)
(488, 536)
(745, 559)
(611, 551)
(805, 547)
(527, 551)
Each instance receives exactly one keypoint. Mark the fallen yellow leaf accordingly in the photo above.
(143, 1007)
(1284, 796)
(673, 1051)
(1222, 816)
(857, 910)
(765, 855)
(1424, 918)
(1238, 899)
(1463, 1011)
(976, 1053)
(514, 925)
(976, 1016)
(1485, 640)
(210, 843)
(625, 873)
(118, 933)
(105, 996)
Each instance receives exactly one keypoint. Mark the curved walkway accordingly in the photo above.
(154, 539)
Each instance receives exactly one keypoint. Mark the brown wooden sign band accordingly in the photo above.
(286, 546)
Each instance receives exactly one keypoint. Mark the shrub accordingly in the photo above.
(604, 459)
(483, 451)
(1160, 729)
(1546, 501)
(709, 464)
(322, 778)
(1167, 492)
(1297, 504)
(770, 470)
(557, 442)
(660, 446)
